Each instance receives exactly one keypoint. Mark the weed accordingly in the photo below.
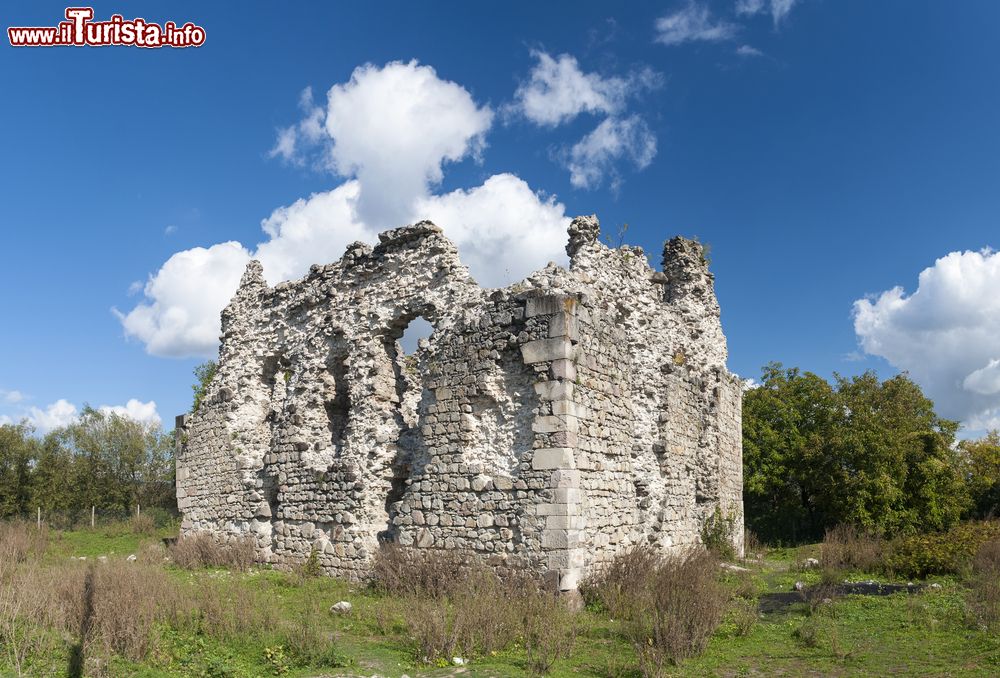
(717, 534)
(745, 616)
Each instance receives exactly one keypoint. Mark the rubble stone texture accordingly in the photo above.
(547, 425)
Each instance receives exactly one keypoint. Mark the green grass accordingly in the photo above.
(925, 634)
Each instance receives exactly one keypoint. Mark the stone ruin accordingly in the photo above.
(546, 425)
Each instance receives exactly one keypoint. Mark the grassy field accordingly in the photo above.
(257, 623)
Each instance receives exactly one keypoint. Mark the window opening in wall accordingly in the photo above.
(337, 400)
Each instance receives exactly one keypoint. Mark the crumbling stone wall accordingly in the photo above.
(545, 425)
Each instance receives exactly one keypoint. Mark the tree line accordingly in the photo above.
(102, 460)
(816, 454)
(857, 451)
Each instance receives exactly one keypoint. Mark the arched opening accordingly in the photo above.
(419, 328)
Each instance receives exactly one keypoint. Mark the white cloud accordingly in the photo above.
(503, 230)
(11, 397)
(312, 230)
(748, 51)
(946, 334)
(557, 90)
(294, 141)
(170, 230)
(393, 128)
(134, 409)
(63, 413)
(778, 9)
(593, 157)
(692, 23)
(60, 413)
(180, 316)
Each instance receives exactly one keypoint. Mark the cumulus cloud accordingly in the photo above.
(144, 413)
(557, 90)
(690, 24)
(778, 9)
(393, 128)
(390, 131)
(503, 215)
(180, 316)
(946, 334)
(312, 230)
(748, 51)
(60, 413)
(594, 156)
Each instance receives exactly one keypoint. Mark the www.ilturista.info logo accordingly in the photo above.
(79, 31)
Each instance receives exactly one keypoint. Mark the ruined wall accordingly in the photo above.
(544, 425)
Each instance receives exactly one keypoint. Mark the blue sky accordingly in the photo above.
(827, 151)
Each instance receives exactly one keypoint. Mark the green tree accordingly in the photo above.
(18, 449)
(787, 424)
(53, 479)
(981, 459)
(862, 452)
(204, 373)
(118, 462)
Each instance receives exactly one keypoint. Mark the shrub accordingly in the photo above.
(678, 611)
(548, 628)
(846, 547)
(948, 552)
(310, 567)
(403, 571)
(203, 549)
(431, 621)
(454, 606)
(618, 583)
(478, 614)
(126, 603)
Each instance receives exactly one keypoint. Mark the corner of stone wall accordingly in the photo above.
(562, 537)
(181, 470)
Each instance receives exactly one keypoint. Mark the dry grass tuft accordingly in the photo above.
(402, 571)
(984, 586)
(203, 549)
(618, 583)
(453, 606)
(142, 524)
(848, 548)
(670, 605)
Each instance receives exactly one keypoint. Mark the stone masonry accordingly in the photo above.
(546, 425)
